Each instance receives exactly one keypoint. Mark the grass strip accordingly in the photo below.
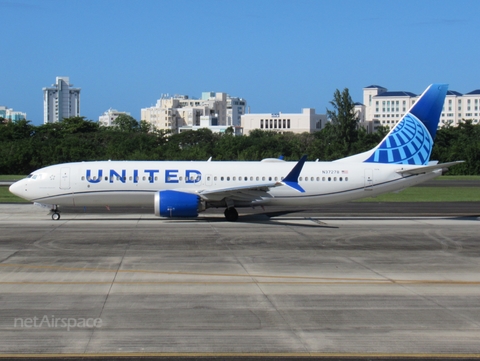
(7, 177)
(459, 177)
(429, 194)
(7, 197)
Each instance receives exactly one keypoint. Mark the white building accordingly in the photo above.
(386, 108)
(207, 121)
(109, 116)
(306, 121)
(181, 112)
(60, 101)
(11, 115)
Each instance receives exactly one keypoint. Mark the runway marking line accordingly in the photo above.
(250, 354)
(307, 280)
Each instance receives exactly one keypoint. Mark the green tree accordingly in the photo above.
(459, 143)
(74, 125)
(344, 121)
(126, 123)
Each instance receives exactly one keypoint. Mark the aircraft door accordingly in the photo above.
(65, 178)
(368, 186)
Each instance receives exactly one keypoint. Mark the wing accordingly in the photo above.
(244, 193)
(428, 168)
(254, 192)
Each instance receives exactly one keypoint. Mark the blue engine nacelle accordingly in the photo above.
(177, 204)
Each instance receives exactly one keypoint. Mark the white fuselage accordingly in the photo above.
(134, 183)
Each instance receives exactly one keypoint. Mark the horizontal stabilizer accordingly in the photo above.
(429, 168)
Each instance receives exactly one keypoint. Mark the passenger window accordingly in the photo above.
(83, 178)
(346, 179)
(215, 178)
(106, 178)
(263, 178)
(234, 178)
(221, 178)
(130, 178)
(329, 179)
(300, 179)
(340, 179)
(335, 179)
(208, 178)
(228, 178)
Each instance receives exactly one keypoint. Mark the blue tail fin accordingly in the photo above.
(411, 141)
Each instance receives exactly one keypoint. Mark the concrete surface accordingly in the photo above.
(295, 284)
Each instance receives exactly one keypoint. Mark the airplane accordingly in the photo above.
(185, 188)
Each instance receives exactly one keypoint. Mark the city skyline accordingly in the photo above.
(279, 56)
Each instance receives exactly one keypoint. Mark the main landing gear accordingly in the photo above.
(231, 214)
(55, 213)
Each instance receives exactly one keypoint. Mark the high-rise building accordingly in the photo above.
(60, 101)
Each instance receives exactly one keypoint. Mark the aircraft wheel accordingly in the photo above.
(231, 214)
(55, 216)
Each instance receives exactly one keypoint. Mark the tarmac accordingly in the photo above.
(379, 281)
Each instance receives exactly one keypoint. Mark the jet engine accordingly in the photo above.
(177, 204)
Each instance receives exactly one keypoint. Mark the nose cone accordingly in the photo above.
(18, 188)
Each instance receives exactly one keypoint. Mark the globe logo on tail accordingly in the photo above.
(409, 143)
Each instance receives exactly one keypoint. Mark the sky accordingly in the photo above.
(279, 55)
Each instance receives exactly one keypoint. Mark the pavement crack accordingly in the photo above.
(109, 291)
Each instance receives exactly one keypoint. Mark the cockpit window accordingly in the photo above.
(30, 175)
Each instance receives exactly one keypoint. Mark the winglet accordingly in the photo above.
(291, 179)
